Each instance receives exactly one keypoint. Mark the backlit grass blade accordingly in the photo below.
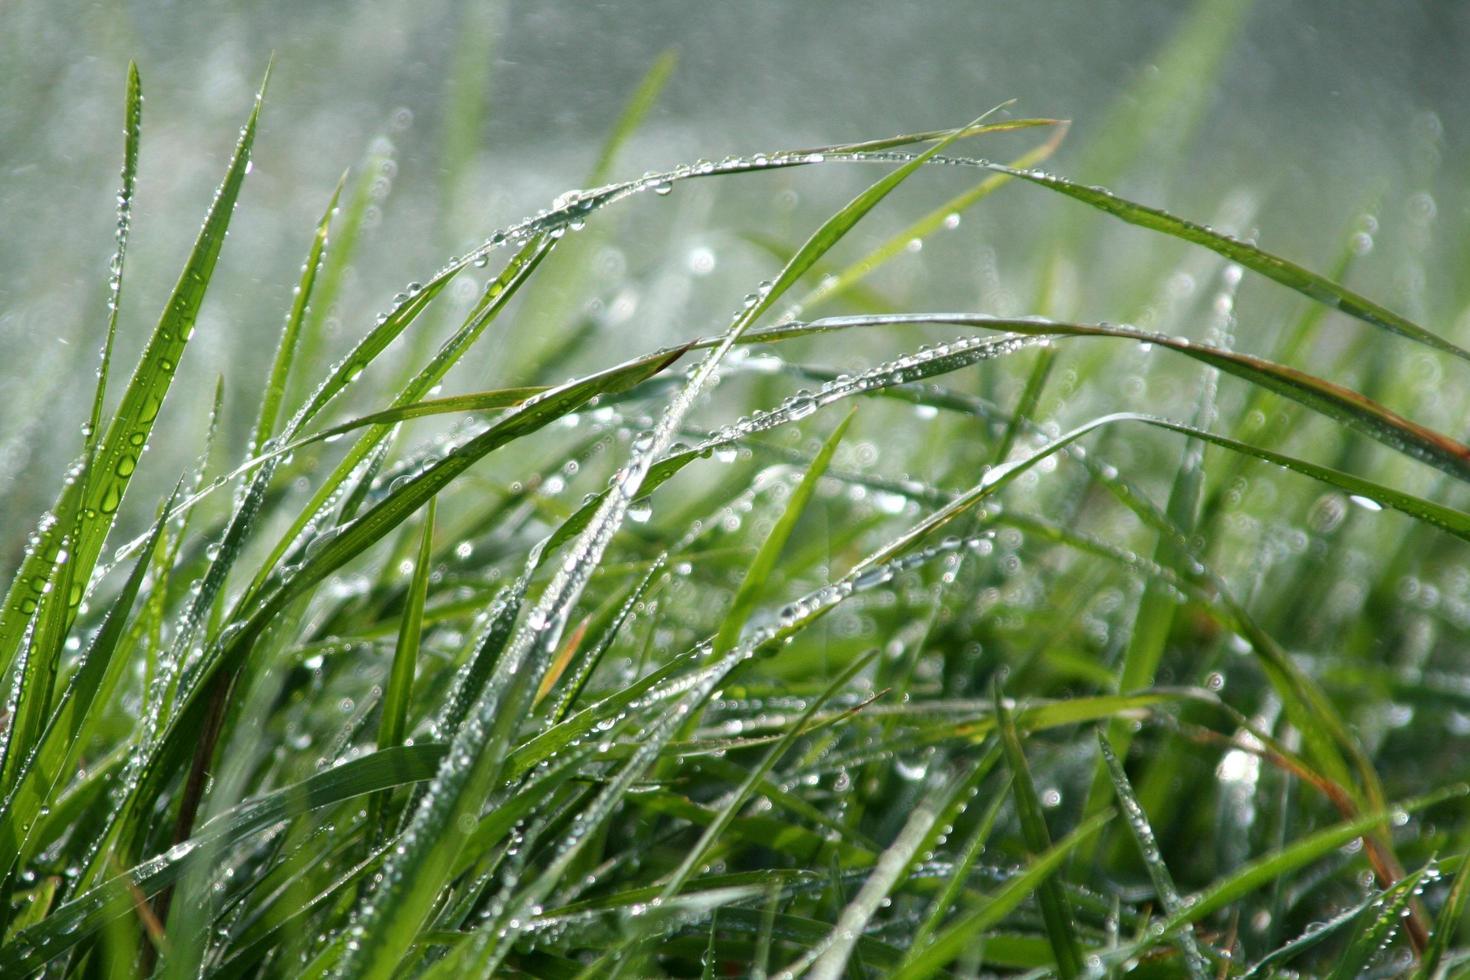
(1055, 911)
(85, 510)
(275, 385)
(398, 690)
(132, 137)
(947, 216)
(497, 294)
(764, 563)
(1273, 267)
(222, 660)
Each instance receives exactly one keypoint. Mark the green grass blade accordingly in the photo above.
(1148, 849)
(947, 216)
(398, 690)
(1375, 933)
(398, 910)
(738, 798)
(132, 137)
(963, 932)
(76, 920)
(1274, 267)
(1446, 924)
(1332, 400)
(275, 386)
(764, 563)
(1055, 912)
(60, 746)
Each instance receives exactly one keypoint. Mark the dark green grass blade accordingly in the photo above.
(1377, 930)
(1153, 860)
(1055, 911)
(764, 563)
(132, 137)
(85, 511)
(969, 927)
(75, 921)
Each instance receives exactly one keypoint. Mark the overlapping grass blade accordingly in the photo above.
(85, 510)
(1060, 931)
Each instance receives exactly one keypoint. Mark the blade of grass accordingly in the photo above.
(1060, 931)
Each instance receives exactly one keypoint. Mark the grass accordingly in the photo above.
(845, 636)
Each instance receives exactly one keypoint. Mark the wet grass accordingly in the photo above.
(845, 636)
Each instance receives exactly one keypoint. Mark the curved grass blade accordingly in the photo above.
(76, 920)
(946, 216)
(1324, 397)
(1274, 267)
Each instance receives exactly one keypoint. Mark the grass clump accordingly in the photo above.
(809, 644)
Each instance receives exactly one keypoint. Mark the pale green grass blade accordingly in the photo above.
(132, 137)
(280, 373)
(764, 563)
